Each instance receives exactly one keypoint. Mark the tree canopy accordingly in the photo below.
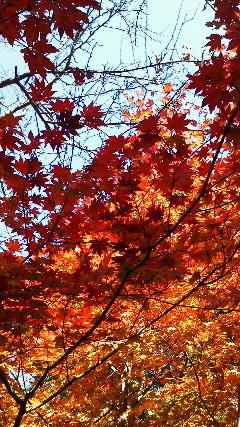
(119, 260)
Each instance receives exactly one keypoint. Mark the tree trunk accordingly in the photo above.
(20, 415)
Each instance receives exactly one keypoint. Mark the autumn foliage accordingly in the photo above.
(119, 276)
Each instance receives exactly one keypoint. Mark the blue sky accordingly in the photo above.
(161, 21)
(115, 48)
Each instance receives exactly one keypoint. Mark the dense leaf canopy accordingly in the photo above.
(119, 270)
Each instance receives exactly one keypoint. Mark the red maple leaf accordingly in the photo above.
(92, 115)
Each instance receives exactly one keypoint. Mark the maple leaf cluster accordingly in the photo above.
(32, 21)
(119, 279)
